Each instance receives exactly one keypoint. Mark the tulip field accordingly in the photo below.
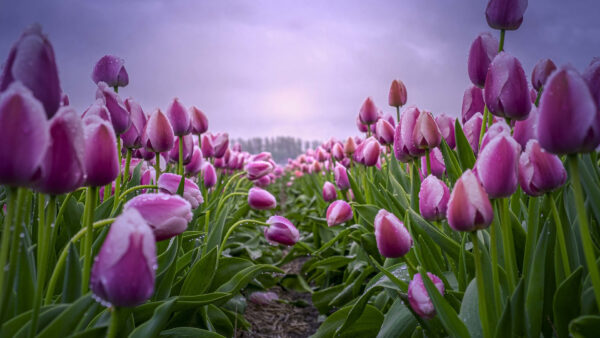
(124, 222)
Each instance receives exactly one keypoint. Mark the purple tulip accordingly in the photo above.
(124, 270)
(195, 165)
(361, 126)
(472, 130)
(497, 166)
(209, 175)
(384, 131)
(145, 154)
(64, 100)
(119, 115)
(263, 298)
(341, 177)
(397, 96)
(199, 121)
(179, 117)
(433, 199)
(321, 154)
(188, 148)
(98, 109)
(158, 134)
(426, 134)
(349, 146)
(505, 14)
(472, 102)
(483, 49)
(506, 91)
(569, 120)
(540, 171)
(592, 77)
(371, 151)
(541, 72)
(258, 169)
(368, 112)
(329, 192)
(169, 183)
(132, 137)
(338, 212)
(62, 169)
(493, 131)
(337, 151)
(101, 158)
(405, 148)
(220, 143)
(24, 135)
(111, 69)
(527, 129)
(167, 215)
(469, 207)
(260, 199)
(438, 167)
(418, 297)
(263, 181)
(31, 61)
(393, 239)
(281, 231)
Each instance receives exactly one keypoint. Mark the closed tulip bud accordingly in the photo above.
(329, 193)
(405, 148)
(263, 181)
(433, 199)
(281, 231)
(63, 170)
(469, 207)
(337, 151)
(258, 169)
(145, 154)
(349, 146)
(158, 134)
(321, 154)
(426, 134)
(418, 297)
(393, 239)
(24, 135)
(195, 165)
(199, 121)
(540, 171)
(31, 61)
(167, 215)
(569, 120)
(338, 212)
(263, 298)
(169, 183)
(207, 145)
(124, 270)
(540, 73)
(341, 177)
(260, 199)
(472, 129)
(97, 109)
(527, 129)
(119, 115)
(361, 126)
(472, 102)
(592, 77)
(497, 166)
(371, 152)
(506, 91)
(368, 112)
(397, 97)
(446, 125)
(179, 117)
(384, 131)
(188, 148)
(505, 14)
(483, 49)
(220, 143)
(111, 69)
(101, 159)
(438, 167)
(132, 137)
(209, 175)
(493, 131)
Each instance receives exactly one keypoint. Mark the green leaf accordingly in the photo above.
(72, 281)
(22, 322)
(322, 298)
(567, 303)
(356, 189)
(243, 277)
(367, 325)
(585, 326)
(463, 148)
(164, 280)
(399, 322)
(219, 321)
(201, 274)
(228, 267)
(512, 320)
(143, 312)
(189, 332)
(152, 327)
(357, 309)
(181, 186)
(94, 332)
(331, 263)
(453, 169)
(469, 310)
(68, 318)
(366, 211)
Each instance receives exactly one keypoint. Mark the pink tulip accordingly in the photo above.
(329, 192)
(497, 166)
(158, 134)
(393, 239)
(179, 117)
(260, 199)
(540, 171)
(338, 212)
(418, 297)
(397, 96)
(169, 183)
(433, 198)
(167, 215)
(281, 231)
(368, 112)
(469, 207)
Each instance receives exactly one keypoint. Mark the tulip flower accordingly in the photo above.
(101, 159)
(469, 207)
(220, 143)
(592, 77)
(371, 152)
(258, 169)
(540, 73)
(337, 151)
(158, 134)
(569, 120)
(505, 14)
(188, 148)
(397, 96)
(167, 215)
(195, 164)
(472, 102)
(132, 137)
(393, 239)
(179, 117)
(418, 297)
(119, 115)
(506, 91)
(338, 212)
(384, 131)
(329, 192)
(321, 154)
(483, 49)
(472, 130)
(24, 135)
(144, 153)
(405, 148)
(263, 181)
(436, 159)
(497, 166)
(494, 130)
(446, 125)
(209, 175)
(260, 199)
(199, 121)
(349, 146)
(169, 183)
(426, 134)
(361, 126)
(263, 298)
(368, 112)
(341, 177)
(527, 129)
(111, 70)
(31, 61)
(98, 109)
(433, 199)
(63, 170)
(540, 171)
(281, 231)
(124, 270)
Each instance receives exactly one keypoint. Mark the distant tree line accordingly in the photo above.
(281, 147)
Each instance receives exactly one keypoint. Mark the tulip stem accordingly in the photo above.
(180, 163)
(539, 95)
(222, 201)
(115, 322)
(483, 306)
(501, 45)
(427, 152)
(486, 113)
(494, 255)
(584, 229)
(561, 238)
(137, 187)
(157, 166)
(8, 217)
(510, 260)
(235, 225)
(127, 165)
(90, 205)
(397, 115)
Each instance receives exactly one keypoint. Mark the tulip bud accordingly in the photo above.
(368, 112)
(361, 126)
(405, 148)
(493, 131)
(338, 212)
(220, 143)
(24, 135)
(110, 69)
(349, 146)
(31, 61)
(258, 169)
(418, 297)
(433, 199)
(497, 166)
(527, 129)
(281, 231)
(446, 125)
(397, 97)
(337, 151)
(483, 49)
(132, 137)
(209, 175)
(199, 121)
(124, 270)
(263, 298)
(569, 121)
(341, 177)
(321, 154)
(505, 14)
(472, 130)
(540, 73)
(167, 215)
(169, 183)
(97, 109)
(260, 199)
(329, 193)
(119, 116)
(371, 152)
(158, 134)
(195, 165)
(101, 159)
(436, 159)
(426, 134)
(540, 171)
(384, 131)
(393, 239)
(188, 148)
(506, 91)
(179, 117)
(592, 77)
(472, 102)
(469, 207)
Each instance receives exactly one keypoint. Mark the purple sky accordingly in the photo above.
(299, 68)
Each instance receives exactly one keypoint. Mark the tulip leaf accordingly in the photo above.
(399, 322)
(94, 332)
(181, 186)
(189, 332)
(367, 325)
(68, 319)
(463, 148)
(143, 312)
(453, 169)
(240, 279)
(356, 190)
(512, 320)
(71, 290)
(228, 267)
(22, 322)
(153, 326)
(164, 280)
(331, 263)
(585, 326)
(469, 310)
(357, 310)
(200, 276)
(567, 302)
(366, 212)
(322, 298)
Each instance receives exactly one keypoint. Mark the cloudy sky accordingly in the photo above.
(300, 68)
